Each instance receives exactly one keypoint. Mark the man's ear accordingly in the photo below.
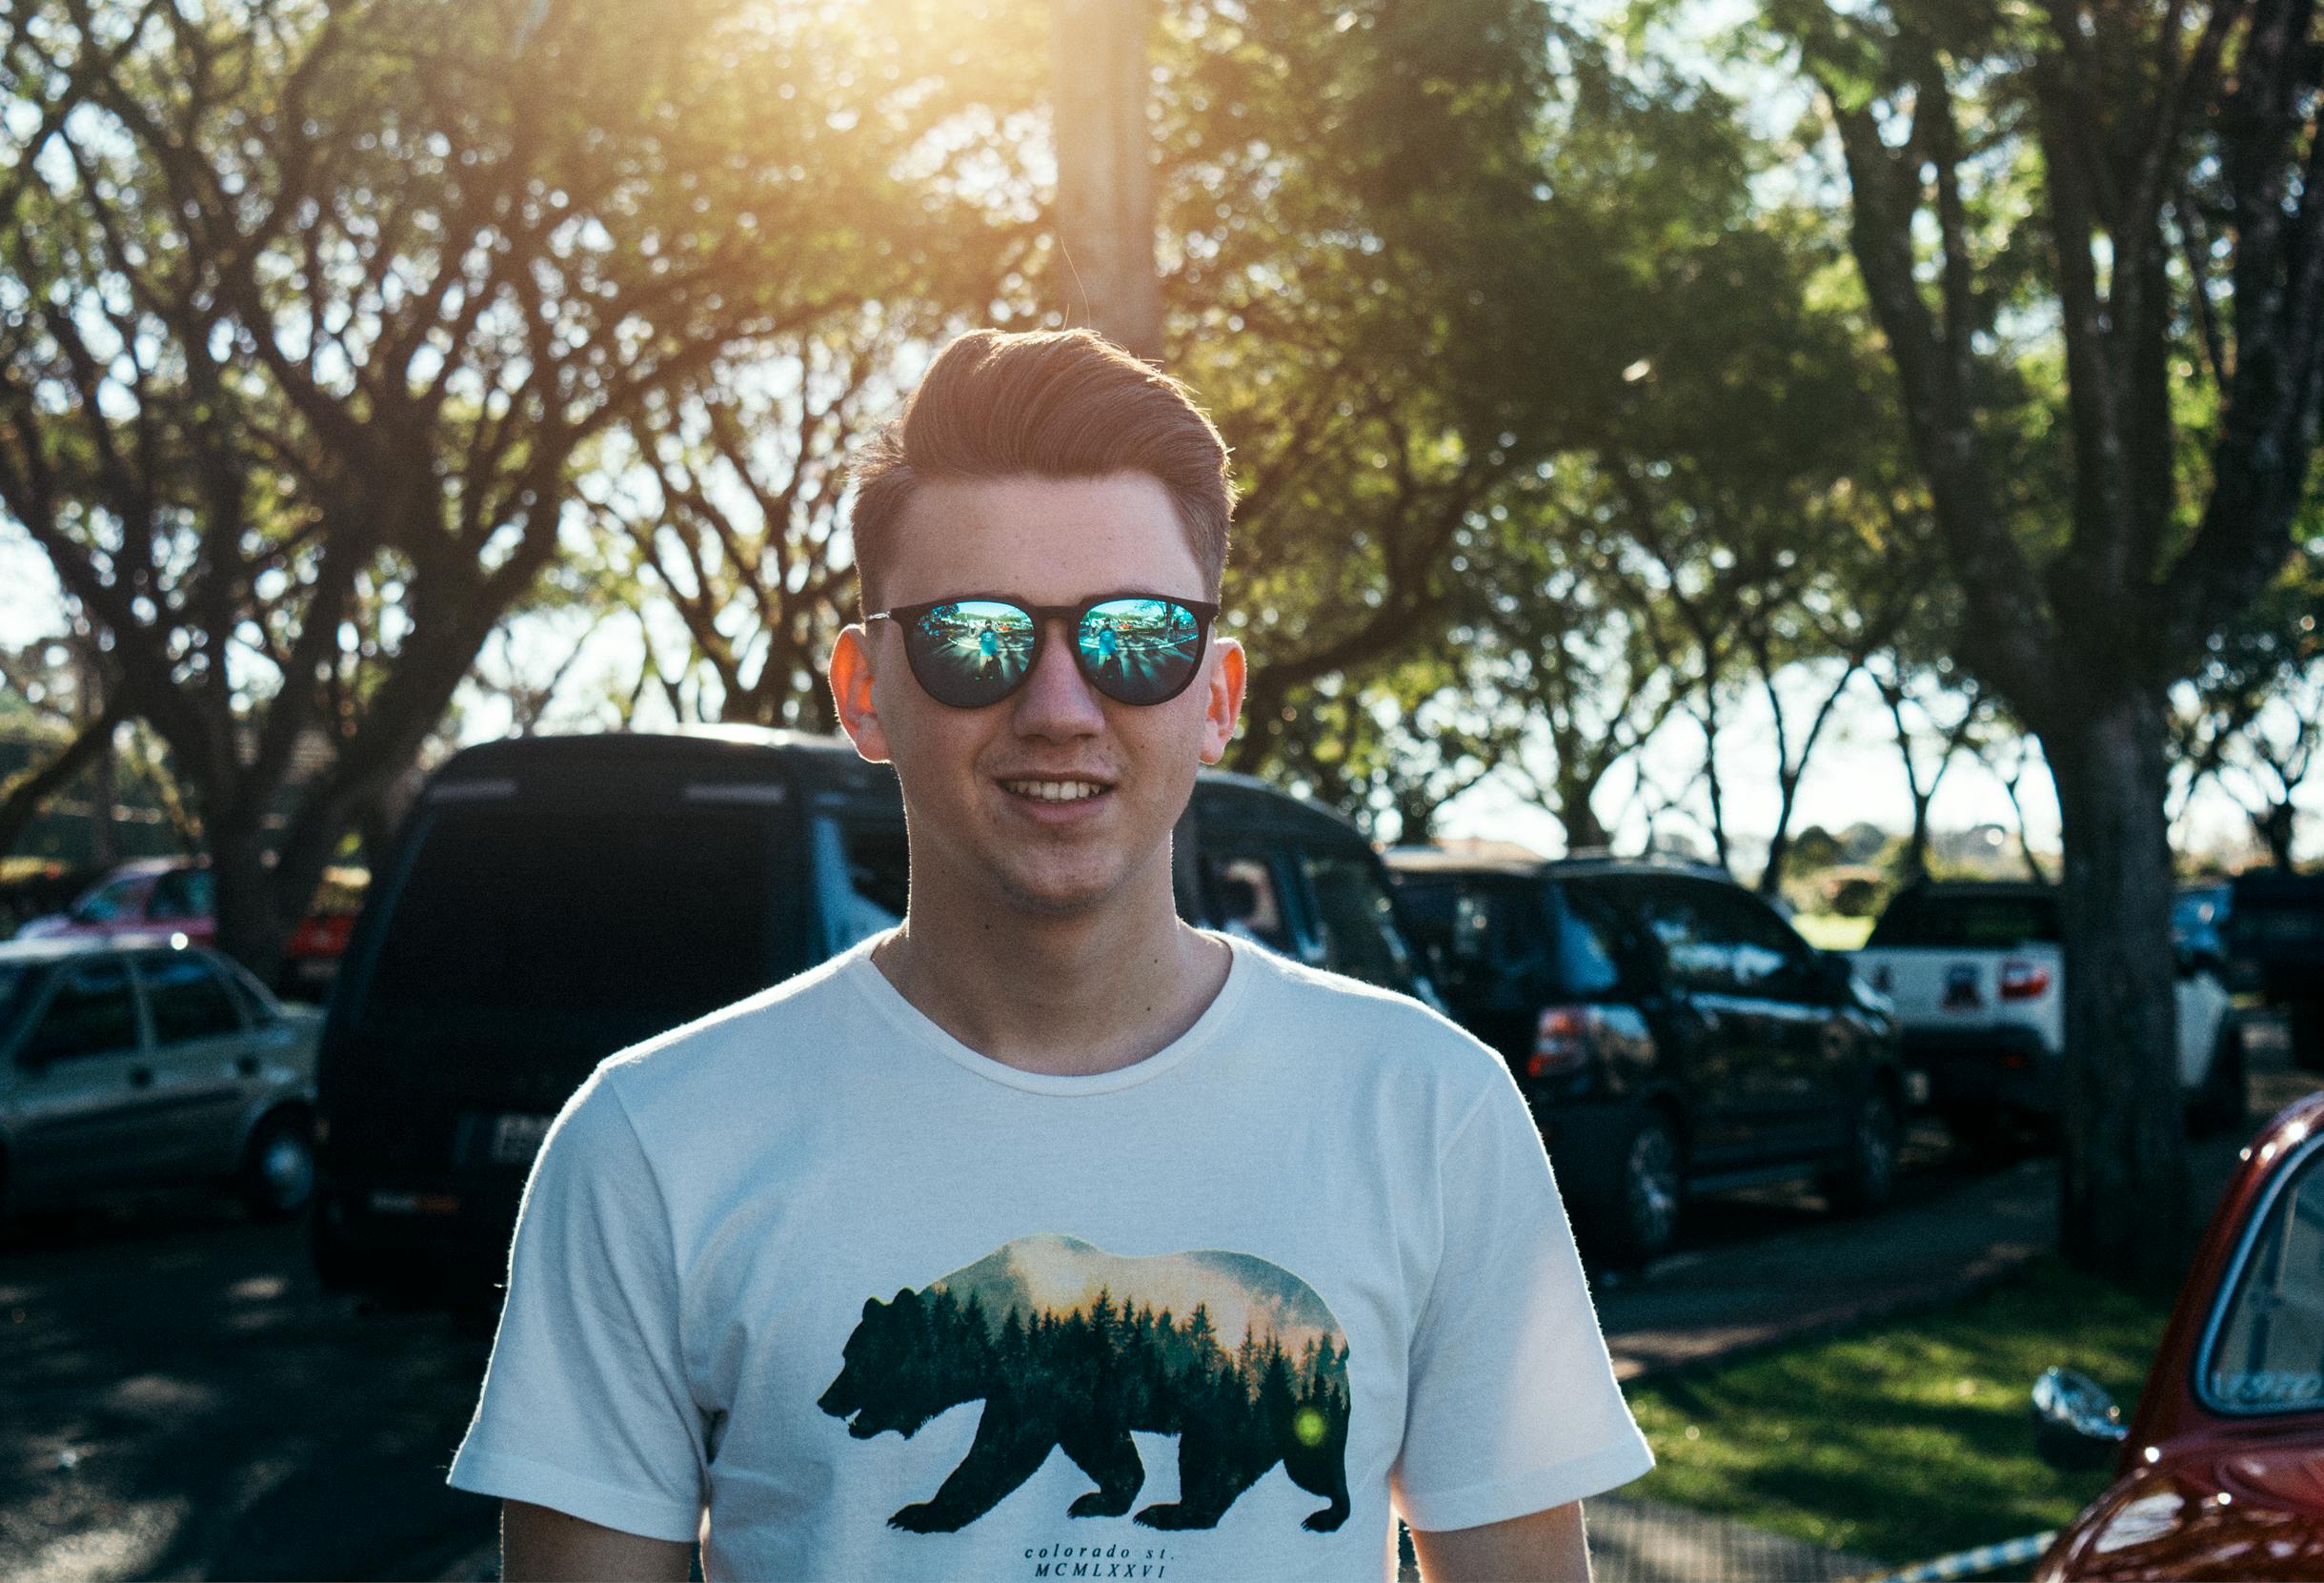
(850, 690)
(1222, 698)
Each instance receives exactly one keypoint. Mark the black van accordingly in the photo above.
(552, 900)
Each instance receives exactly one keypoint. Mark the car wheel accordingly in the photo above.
(1644, 1216)
(2223, 1101)
(277, 1176)
(1867, 1176)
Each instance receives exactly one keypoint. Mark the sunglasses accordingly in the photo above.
(1134, 648)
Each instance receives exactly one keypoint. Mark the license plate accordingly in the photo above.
(517, 1138)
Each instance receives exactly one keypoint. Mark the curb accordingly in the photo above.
(1968, 1563)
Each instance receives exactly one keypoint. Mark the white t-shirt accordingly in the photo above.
(815, 1283)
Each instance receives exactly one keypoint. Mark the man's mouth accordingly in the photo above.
(1055, 791)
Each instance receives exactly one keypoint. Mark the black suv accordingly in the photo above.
(555, 899)
(1672, 1033)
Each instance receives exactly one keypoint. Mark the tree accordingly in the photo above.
(2115, 409)
(725, 502)
(1948, 718)
(310, 315)
(2252, 722)
(1104, 271)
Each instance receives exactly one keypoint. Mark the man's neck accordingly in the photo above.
(1064, 995)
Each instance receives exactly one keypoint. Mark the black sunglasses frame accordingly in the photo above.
(906, 617)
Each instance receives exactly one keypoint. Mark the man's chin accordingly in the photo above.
(1043, 891)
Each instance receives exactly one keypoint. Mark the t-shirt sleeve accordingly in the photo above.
(1512, 1405)
(586, 1407)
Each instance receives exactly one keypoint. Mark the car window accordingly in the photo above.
(1589, 931)
(1247, 898)
(1696, 953)
(181, 893)
(1967, 921)
(1765, 956)
(104, 905)
(185, 999)
(1357, 920)
(259, 1007)
(2266, 1353)
(862, 876)
(90, 1013)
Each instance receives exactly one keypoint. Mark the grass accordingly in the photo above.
(1829, 931)
(1908, 1439)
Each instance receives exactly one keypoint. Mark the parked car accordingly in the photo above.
(161, 896)
(2275, 927)
(552, 900)
(1977, 975)
(1672, 1033)
(134, 1063)
(2216, 1472)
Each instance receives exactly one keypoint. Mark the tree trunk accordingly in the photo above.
(250, 930)
(1584, 831)
(2126, 1211)
(1104, 275)
(104, 777)
(2274, 828)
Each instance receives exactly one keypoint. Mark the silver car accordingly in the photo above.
(127, 1063)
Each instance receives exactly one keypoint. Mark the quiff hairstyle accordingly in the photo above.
(1049, 404)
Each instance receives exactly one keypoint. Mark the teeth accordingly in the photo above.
(1055, 791)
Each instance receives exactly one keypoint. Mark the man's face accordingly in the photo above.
(981, 830)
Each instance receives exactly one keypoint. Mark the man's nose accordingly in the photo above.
(1055, 700)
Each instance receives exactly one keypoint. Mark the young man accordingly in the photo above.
(1221, 1260)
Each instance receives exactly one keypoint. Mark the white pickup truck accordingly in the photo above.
(1977, 977)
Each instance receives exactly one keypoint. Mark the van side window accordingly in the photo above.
(187, 1000)
(90, 1014)
(1246, 900)
(1357, 920)
(862, 878)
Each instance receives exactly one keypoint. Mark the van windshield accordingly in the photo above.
(1967, 921)
(629, 919)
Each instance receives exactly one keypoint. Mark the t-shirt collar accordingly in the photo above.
(915, 1025)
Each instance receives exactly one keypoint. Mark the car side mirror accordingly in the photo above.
(2076, 1424)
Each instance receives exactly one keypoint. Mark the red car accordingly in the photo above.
(2220, 1474)
(158, 896)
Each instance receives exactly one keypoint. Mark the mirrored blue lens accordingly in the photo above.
(1140, 651)
(971, 652)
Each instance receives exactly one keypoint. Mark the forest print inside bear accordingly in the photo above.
(1072, 1348)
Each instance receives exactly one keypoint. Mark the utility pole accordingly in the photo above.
(1103, 273)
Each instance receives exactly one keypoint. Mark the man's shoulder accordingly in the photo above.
(1357, 1020)
(779, 1023)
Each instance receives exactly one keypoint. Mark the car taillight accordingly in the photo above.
(1562, 1041)
(2024, 981)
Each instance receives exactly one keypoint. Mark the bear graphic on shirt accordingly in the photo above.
(1072, 1348)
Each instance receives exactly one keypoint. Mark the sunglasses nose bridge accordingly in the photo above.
(1055, 693)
